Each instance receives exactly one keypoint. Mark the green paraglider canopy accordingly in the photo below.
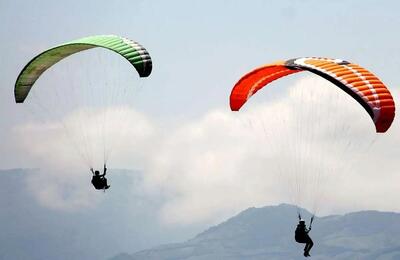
(136, 54)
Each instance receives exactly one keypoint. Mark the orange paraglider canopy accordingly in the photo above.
(355, 80)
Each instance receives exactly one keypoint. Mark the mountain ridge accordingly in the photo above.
(268, 233)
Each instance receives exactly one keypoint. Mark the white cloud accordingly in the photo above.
(65, 150)
(204, 167)
(211, 167)
(62, 189)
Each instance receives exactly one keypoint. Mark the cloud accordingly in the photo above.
(302, 148)
(62, 189)
(202, 167)
(65, 149)
(311, 144)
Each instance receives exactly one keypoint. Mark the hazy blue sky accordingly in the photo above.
(199, 50)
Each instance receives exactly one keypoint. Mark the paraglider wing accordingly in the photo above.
(358, 82)
(253, 81)
(130, 50)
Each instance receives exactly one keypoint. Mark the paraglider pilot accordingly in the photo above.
(301, 236)
(99, 181)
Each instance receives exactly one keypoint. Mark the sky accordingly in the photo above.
(181, 135)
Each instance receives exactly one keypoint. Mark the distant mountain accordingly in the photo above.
(123, 219)
(267, 233)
